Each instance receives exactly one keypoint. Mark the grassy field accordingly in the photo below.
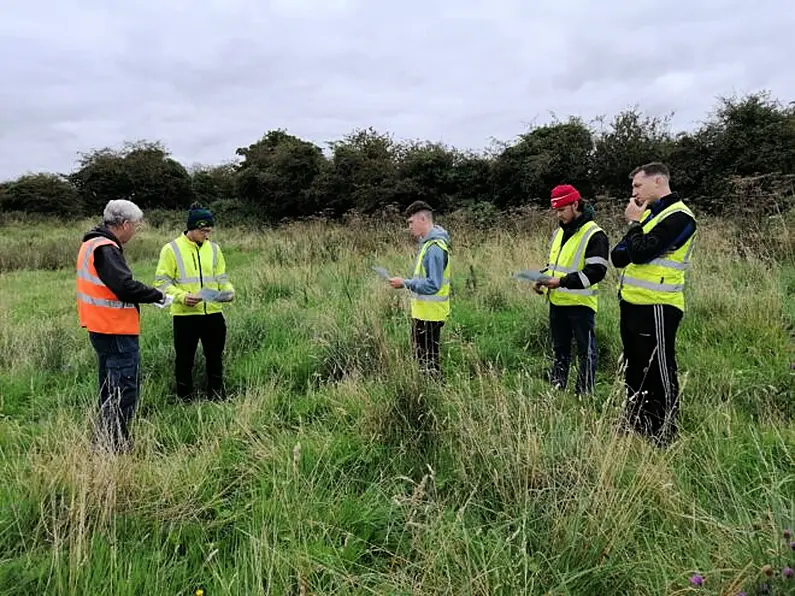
(336, 469)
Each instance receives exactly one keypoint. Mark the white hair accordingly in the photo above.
(120, 210)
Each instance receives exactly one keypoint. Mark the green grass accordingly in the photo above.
(336, 469)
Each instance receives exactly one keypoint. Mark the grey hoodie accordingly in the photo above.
(435, 261)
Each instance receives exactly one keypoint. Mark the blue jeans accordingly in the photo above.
(119, 362)
(565, 321)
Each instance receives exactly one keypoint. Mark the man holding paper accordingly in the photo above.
(578, 253)
(429, 285)
(192, 269)
(108, 300)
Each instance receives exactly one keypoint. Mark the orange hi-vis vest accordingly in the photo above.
(99, 309)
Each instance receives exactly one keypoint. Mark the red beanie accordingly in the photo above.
(564, 194)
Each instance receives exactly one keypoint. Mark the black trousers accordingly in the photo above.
(565, 322)
(648, 334)
(189, 330)
(425, 336)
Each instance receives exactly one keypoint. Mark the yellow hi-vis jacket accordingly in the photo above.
(661, 280)
(570, 258)
(432, 307)
(185, 268)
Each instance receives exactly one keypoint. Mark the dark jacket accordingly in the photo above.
(598, 246)
(112, 269)
(668, 235)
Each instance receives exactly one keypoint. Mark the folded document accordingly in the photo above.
(382, 272)
(528, 275)
(210, 295)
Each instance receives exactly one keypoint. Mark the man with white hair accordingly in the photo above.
(107, 305)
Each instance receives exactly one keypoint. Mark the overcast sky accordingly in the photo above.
(208, 76)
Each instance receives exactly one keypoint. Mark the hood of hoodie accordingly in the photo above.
(588, 213)
(104, 232)
(437, 233)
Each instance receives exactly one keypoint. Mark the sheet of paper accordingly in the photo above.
(382, 272)
(169, 300)
(210, 295)
(529, 275)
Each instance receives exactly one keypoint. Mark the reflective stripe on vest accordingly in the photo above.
(99, 310)
(183, 274)
(573, 262)
(185, 268)
(661, 280)
(433, 307)
(103, 301)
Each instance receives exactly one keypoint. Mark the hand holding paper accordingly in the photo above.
(167, 299)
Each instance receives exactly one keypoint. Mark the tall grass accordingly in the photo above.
(335, 468)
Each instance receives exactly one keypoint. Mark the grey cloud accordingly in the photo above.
(208, 77)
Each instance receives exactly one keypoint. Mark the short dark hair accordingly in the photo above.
(654, 168)
(416, 207)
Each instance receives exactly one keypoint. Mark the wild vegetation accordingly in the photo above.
(746, 140)
(337, 469)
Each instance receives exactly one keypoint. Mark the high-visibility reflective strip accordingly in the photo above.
(577, 255)
(562, 269)
(679, 209)
(590, 292)
(163, 281)
(430, 298)
(583, 244)
(83, 274)
(103, 302)
(183, 273)
(417, 266)
(92, 244)
(583, 279)
(596, 261)
(670, 264)
(689, 250)
(89, 250)
(650, 285)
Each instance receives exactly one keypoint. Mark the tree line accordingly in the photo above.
(740, 159)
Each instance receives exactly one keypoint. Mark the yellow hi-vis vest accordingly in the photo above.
(662, 280)
(432, 307)
(185, 268)
(570, 258)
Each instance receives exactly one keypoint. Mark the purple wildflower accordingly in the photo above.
(792, 545)
(697, 580)
(788, 572)
(787, 534)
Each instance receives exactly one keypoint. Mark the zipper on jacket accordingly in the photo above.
(201, 277)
